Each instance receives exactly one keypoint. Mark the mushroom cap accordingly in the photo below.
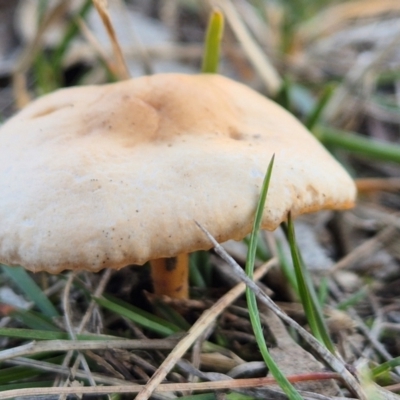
(106, 176)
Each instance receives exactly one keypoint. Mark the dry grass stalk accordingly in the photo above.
(365, 249)
(256, 55)
(21, 93)
(67, 345)
(121, 67)
(65, 371)
(334, 18)
(94, 43)
(381, 113)
(202, 324)
(334, 362)
(367, 185)
(167, 387)
(99, 291)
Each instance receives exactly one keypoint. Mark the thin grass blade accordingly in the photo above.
(171, 315)
(34, 320)
(200, 269)
(138, 316)
(287, 268)
(386, 366)
(307, 293)
(212, 43)
(251, 298)
(32, 291)
(283, 97)
(70, 34)
(315, 115)
(355, 143)
(35, 334)
(353, 299)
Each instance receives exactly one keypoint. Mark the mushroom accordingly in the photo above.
(112, 175)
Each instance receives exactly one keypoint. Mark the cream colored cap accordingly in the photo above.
(106, 176)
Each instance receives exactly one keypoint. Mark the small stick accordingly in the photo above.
(202, 324)
(368, 185)
(365, 249)
(165, 387)
(329, 358)
(101, 7)
(70, 329)
(68, 345)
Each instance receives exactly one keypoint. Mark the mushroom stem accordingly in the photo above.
(170, 276)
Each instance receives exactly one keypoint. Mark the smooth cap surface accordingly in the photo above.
(106, 176)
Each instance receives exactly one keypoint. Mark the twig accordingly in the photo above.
(391, 326)
(101, 7)
(164, 387)
(48, 292)
(68, 345)
(205, 320)
(100, 288)
(196, 350)
(66, 306)
(330, 359)
(143, 55)
(365, 249)
(367, 185)
(95, 44)
(70, 329)
(50, 367)
(338, 104)
(21, 68)
(98, 292)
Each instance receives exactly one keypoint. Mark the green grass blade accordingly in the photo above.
(287, 268)
(386, 366)
(212, 44)
(355, 143)
(203, 396)
(315, 115)
(286, 386)
(262, 251)
(43, 70)
(138, 316)
(70, 34)
(239, 396)
(283, 97)
(307, 293)
(251, 254)
(15, 374)
(169, 314)
(26, 385)
(28, 286)
(323, 291)
(200, 269)
(19, 373)
(213, 396)
(34, 320)
(353, 299)
(35, 334)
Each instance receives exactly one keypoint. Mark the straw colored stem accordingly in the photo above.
(170, 276)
